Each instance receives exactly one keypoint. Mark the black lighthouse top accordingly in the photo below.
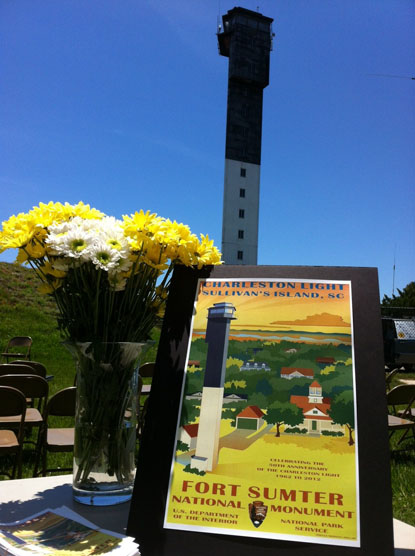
(246, 39)
(217, 337)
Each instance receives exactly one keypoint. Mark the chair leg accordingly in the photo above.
(402, 437)
(38, 449)
(19, 463)
(44, 461)
(13, 475)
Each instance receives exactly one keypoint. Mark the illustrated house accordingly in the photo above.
(234, 398)
(250, 418)
(315, 409)
(194, 396)
(296, 372)
(188, 435)
(193, 363)
(323, 361)
(251, 366)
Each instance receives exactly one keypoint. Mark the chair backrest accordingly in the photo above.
(35, 365)
(404, 394)
(389, 376)
(31, 386)
(146, 370)
(12, 402)
(21, 369)
(20, 342)
(62, 404)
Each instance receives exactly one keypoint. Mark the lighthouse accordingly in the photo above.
(220, 316)
(245, 37)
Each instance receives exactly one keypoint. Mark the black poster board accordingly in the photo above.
(158, 441)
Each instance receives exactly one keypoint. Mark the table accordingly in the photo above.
(23, 497)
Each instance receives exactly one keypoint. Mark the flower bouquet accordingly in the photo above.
(110, 279)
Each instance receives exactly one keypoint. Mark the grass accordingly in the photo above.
(403, 469)
(24, 312)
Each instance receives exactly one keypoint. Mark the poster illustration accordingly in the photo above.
(266, 442)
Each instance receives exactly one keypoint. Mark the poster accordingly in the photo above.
(266, 442)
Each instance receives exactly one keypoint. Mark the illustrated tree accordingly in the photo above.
(258, 399)
(342, 412)
(230, 411)
(263, 387)
(182, 446)
(283, 413)
(190, 411)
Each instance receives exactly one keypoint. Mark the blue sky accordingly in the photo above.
(123, 105)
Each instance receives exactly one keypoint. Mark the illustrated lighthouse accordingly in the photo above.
(246, 39)
(217, 338)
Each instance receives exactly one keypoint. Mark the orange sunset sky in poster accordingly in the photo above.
(312, 306)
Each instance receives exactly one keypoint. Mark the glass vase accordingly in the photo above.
(105, 421)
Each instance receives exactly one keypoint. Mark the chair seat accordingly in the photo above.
(33, 417)
(8, 440)
(412, 413)
(58, 439)
(398, 422)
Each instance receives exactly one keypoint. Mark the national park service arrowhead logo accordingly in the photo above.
(257, 512)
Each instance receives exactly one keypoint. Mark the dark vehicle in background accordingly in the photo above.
(399, 342)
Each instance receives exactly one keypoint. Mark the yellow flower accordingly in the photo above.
(155, 257)
(48, 269)
(22, 256)
(207, 253)
(138, 222)
(54, 213)
(50, 287)
(35, 249)
(161, 292)
(19, 230)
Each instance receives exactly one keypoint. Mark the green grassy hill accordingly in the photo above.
(26, 312)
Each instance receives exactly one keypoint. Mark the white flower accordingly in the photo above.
(103, 256)
(117, 281)
(61, 263)
(75, 243)
(71, 239)
(123, 264)
(111, 231)
(101, 242)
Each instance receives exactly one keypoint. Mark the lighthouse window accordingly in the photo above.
(241, 213)
(240, 255)
(243, 172)
(240, 234)
(242, 192)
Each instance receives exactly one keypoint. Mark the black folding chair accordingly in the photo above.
(61, 404)
(12, 404)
